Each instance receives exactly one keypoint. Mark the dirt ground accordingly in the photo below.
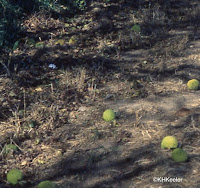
(54, 116)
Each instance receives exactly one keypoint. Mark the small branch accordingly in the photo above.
(7, 70)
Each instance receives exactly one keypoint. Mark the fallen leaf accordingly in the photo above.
(38, 89)
(23, 163)
(63, 110)
(40, 161)
(60, 42)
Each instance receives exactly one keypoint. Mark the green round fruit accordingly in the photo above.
(13, 176)
(179, 155)
(108, 115)
(193, 84)
(169, 142)
(46, 184)
(136, 28)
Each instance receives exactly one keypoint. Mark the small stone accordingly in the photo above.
(82, 108)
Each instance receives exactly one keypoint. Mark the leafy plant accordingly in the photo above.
(80, 4)
(39, 45)
(32, 124)
(16, 45)
(9, 148)
(9, 13)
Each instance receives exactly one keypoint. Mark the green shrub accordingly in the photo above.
(9, 26)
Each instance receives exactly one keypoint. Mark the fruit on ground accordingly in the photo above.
(14, 176)
(109, 115)
(46, 184)
(169, 142)
(136, 28)
(193, 84)
(179, 155)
